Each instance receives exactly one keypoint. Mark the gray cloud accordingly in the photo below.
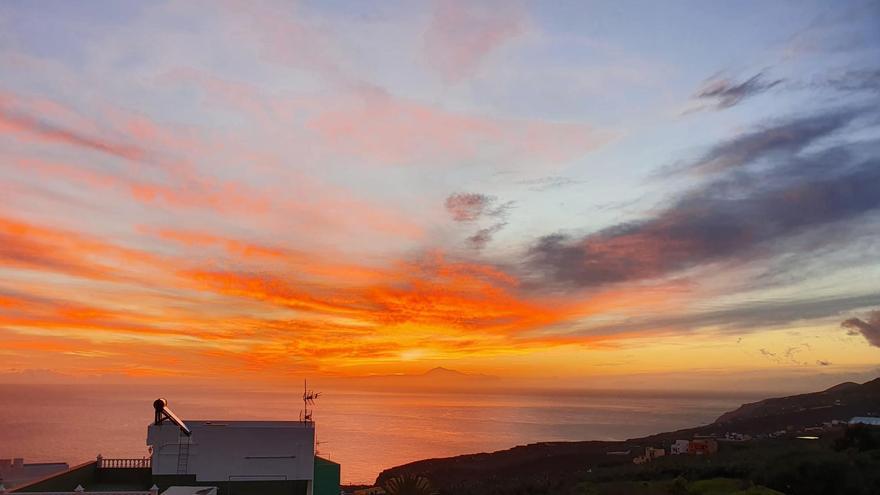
(747, 317)
(725, 93)
(789, 356)
(854, 80)
(780, 138)
(542, 184)
(743, 209)
(768, 354)
(502, 210)
(468, 207)
(869, 329)
(484, 236)
(822, 362)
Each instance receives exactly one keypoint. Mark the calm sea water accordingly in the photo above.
(365, 432)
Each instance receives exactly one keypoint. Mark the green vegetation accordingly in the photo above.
(726, 486)
(846, 465)
(859, 437)
(677, 486)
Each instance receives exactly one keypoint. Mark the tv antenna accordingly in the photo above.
(309, 397)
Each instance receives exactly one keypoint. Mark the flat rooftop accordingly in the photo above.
(249, 424)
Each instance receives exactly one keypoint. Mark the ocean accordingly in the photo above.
(363, 431)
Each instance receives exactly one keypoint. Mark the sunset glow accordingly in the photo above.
(268, 192)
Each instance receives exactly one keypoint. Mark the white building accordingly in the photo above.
(234, 450)
(205, 458)
(221, 452)
(679, 447)
(865, 420)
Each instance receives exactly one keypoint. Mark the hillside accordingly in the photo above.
(845, 396)
(549, 462)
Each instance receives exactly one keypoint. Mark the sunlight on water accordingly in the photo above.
(365, 432)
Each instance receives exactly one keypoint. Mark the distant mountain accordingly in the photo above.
(556, 460)
(448, 374)
(441, 371)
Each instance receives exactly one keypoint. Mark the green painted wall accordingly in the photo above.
(326, 477)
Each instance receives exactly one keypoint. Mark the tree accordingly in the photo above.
(860, 438)
(679, 486)
(409, 485)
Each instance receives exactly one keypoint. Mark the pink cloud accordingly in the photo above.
(462, 34)
(366, 121)
(14, 121)
(282, 34)
(172, 165)
(375, 124)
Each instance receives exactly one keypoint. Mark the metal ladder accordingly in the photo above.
(183, 444)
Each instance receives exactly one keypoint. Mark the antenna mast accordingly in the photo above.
(309, 397)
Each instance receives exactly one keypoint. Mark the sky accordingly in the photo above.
(648, 193)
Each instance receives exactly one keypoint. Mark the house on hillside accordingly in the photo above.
(703, 446)
(865, 420)
(206, 458)
(651, 453)
(679, 447)
(733, 436)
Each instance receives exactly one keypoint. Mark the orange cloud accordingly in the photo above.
(25, 245)
(236, 303)
(281, 309)
(430, 292)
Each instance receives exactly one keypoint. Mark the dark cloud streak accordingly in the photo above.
(744, 318)
(470, 207)
(542, 184)
(730, 216)
(56, 133)
(726, 93)
(781, 138)
(467, 207)
(870, 328)
(484, 236)
(854, 80)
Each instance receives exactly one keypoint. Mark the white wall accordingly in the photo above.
(679, 447)
(230, 450)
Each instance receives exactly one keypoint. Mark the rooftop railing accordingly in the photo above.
(105, 463)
